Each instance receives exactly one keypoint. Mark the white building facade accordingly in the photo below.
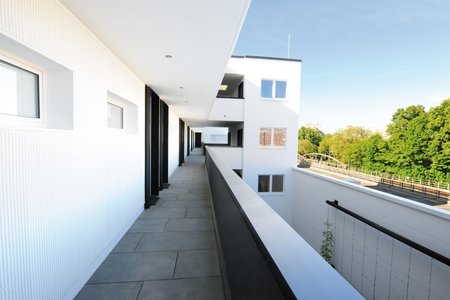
(98, 106)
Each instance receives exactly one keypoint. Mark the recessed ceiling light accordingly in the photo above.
(223, 87)
(168, 56)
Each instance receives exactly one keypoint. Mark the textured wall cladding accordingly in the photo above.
(57, 196)
(65, 197)
(35, 206)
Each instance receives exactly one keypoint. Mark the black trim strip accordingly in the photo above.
(418, 247)
(267, 57)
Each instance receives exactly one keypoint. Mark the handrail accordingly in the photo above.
(418, 247)
(307, 274)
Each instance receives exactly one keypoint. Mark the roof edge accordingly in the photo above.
(267, 57)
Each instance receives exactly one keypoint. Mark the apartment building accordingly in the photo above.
(102, 103)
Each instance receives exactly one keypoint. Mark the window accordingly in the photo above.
(265, 137)
(19, 90)
(115, 116)
(270, 183)
(273, 89)
(263, 183)
(272, 137)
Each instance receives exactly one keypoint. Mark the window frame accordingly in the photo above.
(272, 138)
(118, 103)
(271, 192)
(274, 92)
(29, 67)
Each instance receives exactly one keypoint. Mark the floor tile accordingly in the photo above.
(177, 241)
(199, 212)
(187, 289)
(148, 225)
(110, 291)
(164, 212)
(192, 197)
(185, 203)
(190, 224)
(128, 243)
(123, 267)
(197, 263)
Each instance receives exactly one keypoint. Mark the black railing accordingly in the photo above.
(412, 244)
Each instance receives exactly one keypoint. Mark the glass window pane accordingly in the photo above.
(115, 116)
(265, 137)
(280, 89)
(277, 183)
(263, 183)
(279, 137)
(19, 91)
(266, 88)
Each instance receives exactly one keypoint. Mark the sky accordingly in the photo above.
(361, 60)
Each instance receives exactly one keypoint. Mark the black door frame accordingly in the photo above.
(181, 149)
(164, 150)
(198, 140)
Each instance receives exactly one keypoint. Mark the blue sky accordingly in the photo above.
(362, 59)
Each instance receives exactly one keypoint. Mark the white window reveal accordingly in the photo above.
(270, 183)
(272, 137)
(19, 90)
(115, 116)
(273, 89)
(121, 114)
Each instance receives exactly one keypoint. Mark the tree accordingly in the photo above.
(340, 142)
(305, 146)
(313, 135)
(408, 141)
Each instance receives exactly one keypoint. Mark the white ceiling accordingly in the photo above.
(199, 35)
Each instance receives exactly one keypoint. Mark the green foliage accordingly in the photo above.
(339, 143)
(326, 250)
(313, 135)
(305, 146)
(417, 145)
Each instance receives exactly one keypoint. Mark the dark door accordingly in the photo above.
(198, 140)
(240, 136)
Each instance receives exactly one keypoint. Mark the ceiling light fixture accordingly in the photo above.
(168, 56)
(223, 87)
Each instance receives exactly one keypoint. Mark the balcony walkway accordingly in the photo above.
(170, 251)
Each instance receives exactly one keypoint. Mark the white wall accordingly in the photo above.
(227, 109)
(66, 196)
(174, 141)
(231, 156)
(375, 264)
(208, 132)
(263, 113)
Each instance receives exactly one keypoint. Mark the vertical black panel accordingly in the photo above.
(164, 134)
(198, 140)
(155, 144)
(229, 138)
(241, 90)
(148, 110)
(240, 137)
(181, 150)
(188, 140)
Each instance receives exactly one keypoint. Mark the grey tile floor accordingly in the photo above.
(170, 251)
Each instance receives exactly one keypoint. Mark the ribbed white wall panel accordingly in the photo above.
(66, 197)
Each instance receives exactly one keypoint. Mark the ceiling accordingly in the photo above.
(199, 35)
